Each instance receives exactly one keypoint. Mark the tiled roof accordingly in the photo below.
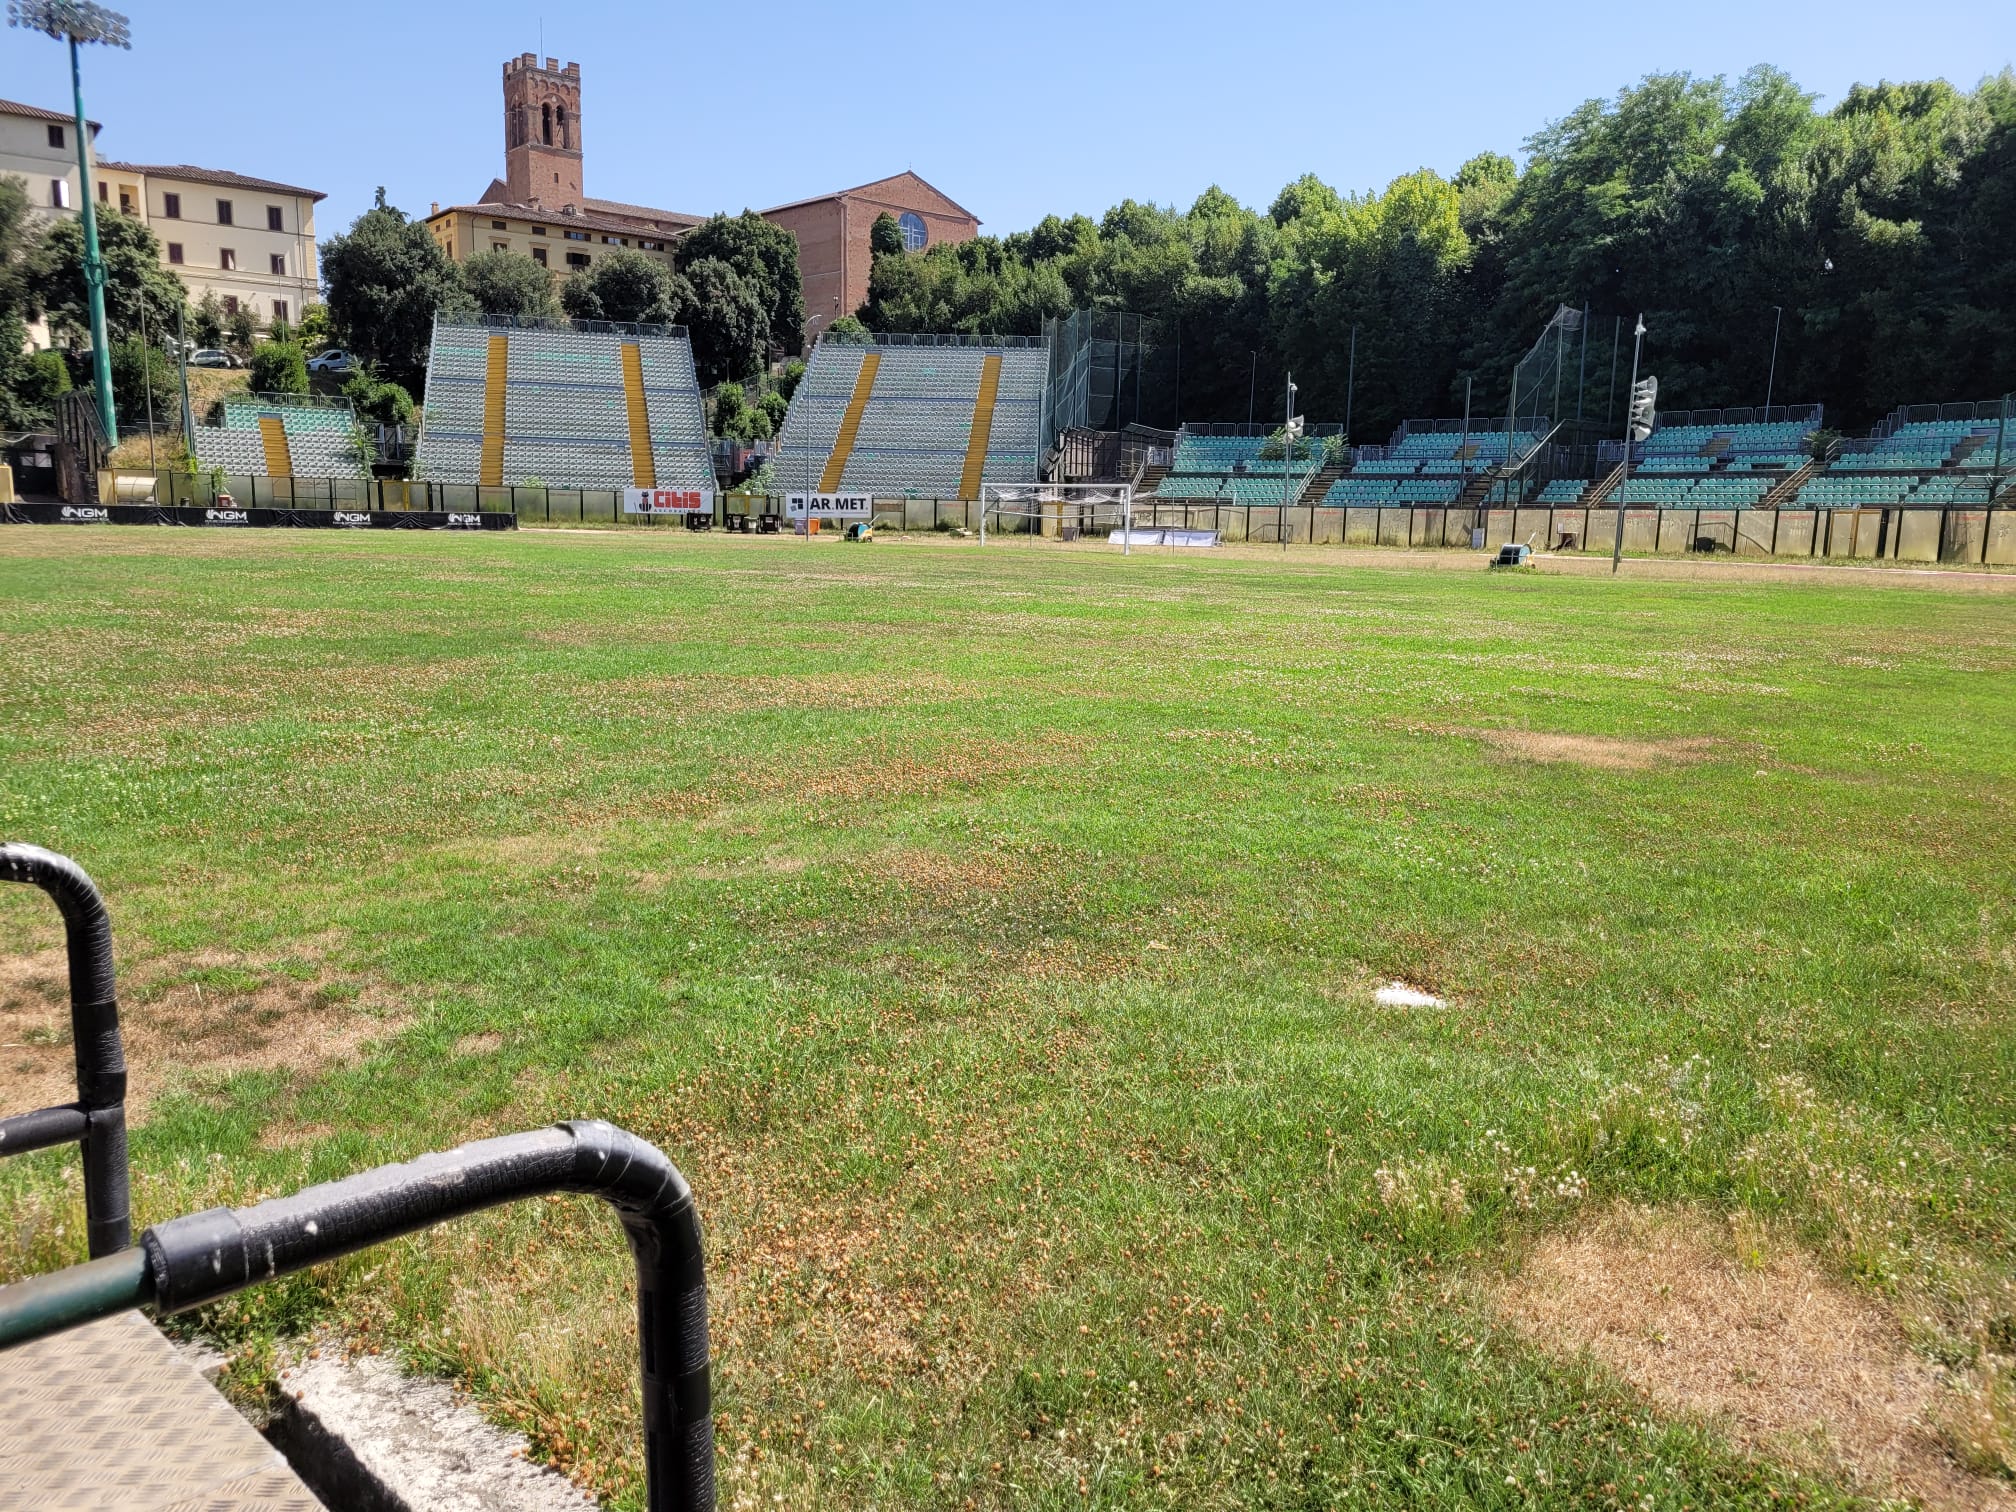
(37, 113)
(218, 176)
(546, 215)
(668, 218)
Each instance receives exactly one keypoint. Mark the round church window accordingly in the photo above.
(914, 234)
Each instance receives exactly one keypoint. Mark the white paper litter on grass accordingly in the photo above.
(1400, 995)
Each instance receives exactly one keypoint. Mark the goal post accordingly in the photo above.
(1063, 510)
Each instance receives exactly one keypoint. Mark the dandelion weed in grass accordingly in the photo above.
(546, 826)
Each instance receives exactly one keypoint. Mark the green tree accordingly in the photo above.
(627, 286)
(766, 258)
(885, 237)
(726, 320)
(510, 283)
(206, 320)
(134, 278)
(241, 330)
(27, 393)
(378, 402)
(141, 373)
(848, 328)
(279, 367)
(387, 278)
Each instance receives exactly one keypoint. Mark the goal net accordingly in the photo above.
(1062, 511)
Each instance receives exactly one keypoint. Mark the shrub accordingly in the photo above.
(378, 403)
(279, 367)
(139, 372)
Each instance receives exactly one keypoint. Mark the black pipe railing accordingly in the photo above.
(187, 1262)
(97, 1119)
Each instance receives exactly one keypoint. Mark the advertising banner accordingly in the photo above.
(192, 514)
(668, 501)
(837, 506)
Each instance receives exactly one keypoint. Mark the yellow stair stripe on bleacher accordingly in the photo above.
(850, 424)
(643, 469)
(279, 460)
(983, 427)
(491, 472)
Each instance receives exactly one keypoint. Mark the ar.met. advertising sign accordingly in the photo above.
(668, 501)
(838, 506)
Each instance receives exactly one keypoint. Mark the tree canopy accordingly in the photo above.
(387, 278)
(1885, 228)
(509, 283)
(134, 278)
(765, 256)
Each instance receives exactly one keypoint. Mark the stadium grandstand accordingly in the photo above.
(1431, 463)
(284, 436)
(926, 416)
(570, 404)
(1208, 468)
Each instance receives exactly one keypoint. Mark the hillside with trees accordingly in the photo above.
(1885, 228)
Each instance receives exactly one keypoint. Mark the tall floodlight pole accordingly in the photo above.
(1287, 457)
(1617, 548)
(79, 22)
(1351, 385)
(1771, 385)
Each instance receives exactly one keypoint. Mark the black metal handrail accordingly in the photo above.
(187, 1262)
(97, 1119)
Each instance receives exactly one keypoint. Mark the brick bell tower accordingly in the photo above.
(542, 132)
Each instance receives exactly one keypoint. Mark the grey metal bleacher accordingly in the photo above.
(566, 413)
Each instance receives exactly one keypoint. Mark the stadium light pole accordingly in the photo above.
(1771, 384)
(1287, 457)
(79, 22)
(1617, 546)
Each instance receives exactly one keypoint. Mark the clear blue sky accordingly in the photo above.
(1014, 109)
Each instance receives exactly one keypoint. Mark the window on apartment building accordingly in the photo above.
(104, 191)
(578, 236)
(277, 264)
(280, 309)
(223, 212)
(498, 226)
(171, 207)
(539, 256)
(174, 252)
(230, 304)
(125, 200)
(59, 193)
(227, 259)
(56, 138)
(500, 246)
(538, 230)
(273, 219)
(577, 260)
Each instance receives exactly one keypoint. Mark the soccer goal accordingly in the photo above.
(1062, 511)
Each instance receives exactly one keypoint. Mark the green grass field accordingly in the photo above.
(991, 940)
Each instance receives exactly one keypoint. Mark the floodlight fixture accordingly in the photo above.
(71, 21)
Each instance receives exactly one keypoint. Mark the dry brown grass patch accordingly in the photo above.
(1738, 1326)
(1601, 752)
(207, 1015)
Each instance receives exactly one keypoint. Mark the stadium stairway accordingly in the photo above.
(1599, 491)
(1787, 490)
(491, 471)
(850, 424)
(983, 427)
(273, 436)
(639, 413)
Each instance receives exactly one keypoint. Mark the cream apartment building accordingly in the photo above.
(250, 241)
(39, 147)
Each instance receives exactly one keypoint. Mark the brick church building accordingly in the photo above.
(541, 208)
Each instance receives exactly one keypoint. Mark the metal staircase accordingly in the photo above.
(850, 424)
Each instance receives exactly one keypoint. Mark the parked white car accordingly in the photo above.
(335, 360)
(212, 357)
